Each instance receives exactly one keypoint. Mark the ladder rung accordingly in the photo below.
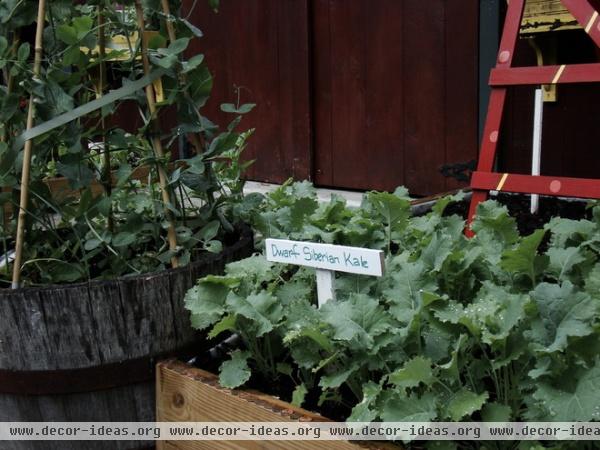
(572, 73)
(543, 185)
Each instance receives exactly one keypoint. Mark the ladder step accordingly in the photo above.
(573, 73)
(543, 185)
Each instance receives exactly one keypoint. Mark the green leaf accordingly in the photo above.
(437, 251)
(64, 272)
(359, 319)
(293, 217)
(209, 231)
(592, 282)
(71, 56)
(23, 52)
(192, 63)
(227, 323)
(165, 62)
(3, 45)
(156, 41)
(494, 314)
(463, 403)
(568, 232)
(524, 260)
(123, 239)
(255, 269)
(406, 284)
(304, 336)
(450, 369)
(366, 410)
(223, 142)
(441, 205)
(176, 47)
(494, 229)
(123, 173)
(339, 377)
(242, 109)
(564, 313)
(285, 369)
(82, 25)
(206, 300)
(414, 372)
(299, 395)
(496, 412)
(563, 260)
(79, 175)
(580, 404)
(67, 34)
(395, 210)
(235, 372)
(399, 408)
(214, 246)
(91, 244)
(263, 309)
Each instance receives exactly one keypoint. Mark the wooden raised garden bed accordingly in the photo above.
(186, 393)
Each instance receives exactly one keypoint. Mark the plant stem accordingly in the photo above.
(25, 173)
(106, 176)
(10, 83)
(195, 139)
(156, 143)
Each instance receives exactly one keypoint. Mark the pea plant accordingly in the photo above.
(104, 199)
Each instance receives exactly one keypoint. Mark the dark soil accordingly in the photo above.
(519, 208)
(211, 359)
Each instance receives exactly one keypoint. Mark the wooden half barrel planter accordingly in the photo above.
(86, 352)
(187, 394)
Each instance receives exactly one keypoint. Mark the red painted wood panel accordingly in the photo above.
(543, 185)
(263, 47)
(359, 94)
(424, 85)
(395, 91)
(461, 104)
(575, 73)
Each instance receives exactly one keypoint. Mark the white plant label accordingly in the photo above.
(327, 259)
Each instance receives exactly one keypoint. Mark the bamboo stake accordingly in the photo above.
(107, 178)
(37, 65)
(195, 140)
(167, 12)
(156, 143)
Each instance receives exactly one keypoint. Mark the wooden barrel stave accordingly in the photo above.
(134, 403)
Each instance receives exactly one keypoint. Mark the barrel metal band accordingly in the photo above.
(88, 379)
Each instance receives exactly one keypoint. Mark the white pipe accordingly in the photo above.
(537, 144)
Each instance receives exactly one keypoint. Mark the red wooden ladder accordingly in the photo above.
(504, 75)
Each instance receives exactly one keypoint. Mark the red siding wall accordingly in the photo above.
(395, 91)
(363, 94)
